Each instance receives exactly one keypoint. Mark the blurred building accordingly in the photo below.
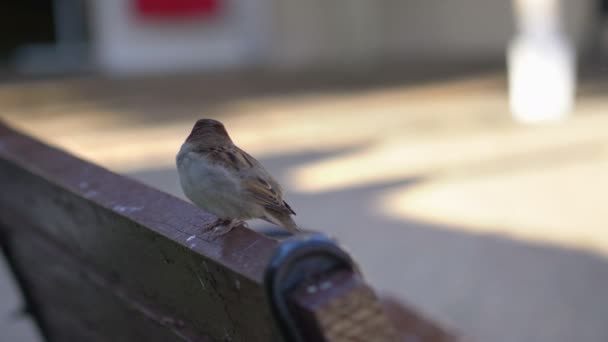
(120, 36)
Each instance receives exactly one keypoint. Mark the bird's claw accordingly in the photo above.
(224, 226)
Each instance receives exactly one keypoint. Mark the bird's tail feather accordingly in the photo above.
(282, 220)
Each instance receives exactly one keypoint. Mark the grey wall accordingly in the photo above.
(343, 31)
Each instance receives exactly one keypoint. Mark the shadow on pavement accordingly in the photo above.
(490, 287)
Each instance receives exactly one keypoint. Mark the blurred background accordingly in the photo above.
(459, 149)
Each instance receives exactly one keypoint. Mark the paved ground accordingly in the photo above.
(13, 325)
(496, 229)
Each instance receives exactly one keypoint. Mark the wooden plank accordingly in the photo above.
(71, 295)
(340, 307)
(76, 229)
(412, 326)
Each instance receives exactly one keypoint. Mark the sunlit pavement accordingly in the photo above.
(496, 229)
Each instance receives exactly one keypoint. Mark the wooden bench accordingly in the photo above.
(100, 257)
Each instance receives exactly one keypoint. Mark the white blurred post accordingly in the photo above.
(541, 64)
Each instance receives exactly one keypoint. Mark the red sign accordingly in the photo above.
(176, 8)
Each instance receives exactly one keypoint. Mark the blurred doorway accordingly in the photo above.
(43, 36)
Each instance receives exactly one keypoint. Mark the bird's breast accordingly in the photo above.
(212, 187)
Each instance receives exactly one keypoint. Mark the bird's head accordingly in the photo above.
(208, 132)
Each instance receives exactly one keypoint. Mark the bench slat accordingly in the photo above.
(73, 218)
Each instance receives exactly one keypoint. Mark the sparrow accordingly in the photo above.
(220, 178)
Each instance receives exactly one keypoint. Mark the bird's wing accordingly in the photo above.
(256, 180)
(264, 188)
(268, 196)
